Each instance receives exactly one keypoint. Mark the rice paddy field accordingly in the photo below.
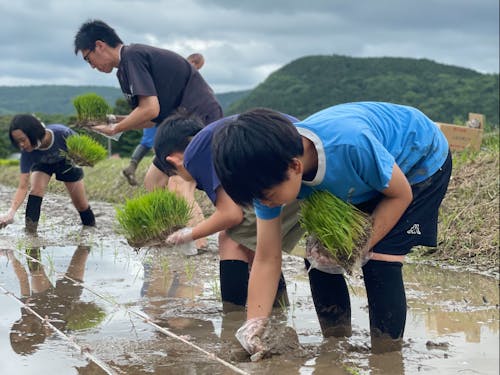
(82, 301)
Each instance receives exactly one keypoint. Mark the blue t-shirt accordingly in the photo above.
(51, 154)
(198, 157)
(358, 144)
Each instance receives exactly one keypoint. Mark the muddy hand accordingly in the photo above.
(250, 335)
(181, 236)
(6, 220)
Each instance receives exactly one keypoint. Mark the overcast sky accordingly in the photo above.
(244, 41)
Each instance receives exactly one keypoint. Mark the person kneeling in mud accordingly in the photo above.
(41, 157)
(183, 146)
(390, 160)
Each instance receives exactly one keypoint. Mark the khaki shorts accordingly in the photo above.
(245, 233)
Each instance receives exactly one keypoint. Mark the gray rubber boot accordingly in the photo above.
(129, 173)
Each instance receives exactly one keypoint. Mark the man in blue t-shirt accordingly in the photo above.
(389, 160)
(183, 147)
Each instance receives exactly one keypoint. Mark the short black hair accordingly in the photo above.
(29, 125)
(253, 152)
(174, 134)
(94, 30)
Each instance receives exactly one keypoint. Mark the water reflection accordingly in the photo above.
(451, 315)
(170, 291)
(59, 303)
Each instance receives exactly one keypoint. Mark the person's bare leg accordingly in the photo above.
(76, 191)
(155, 179)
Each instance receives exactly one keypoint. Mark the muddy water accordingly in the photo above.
(159, 312)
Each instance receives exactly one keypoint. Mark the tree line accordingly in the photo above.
(445, 93)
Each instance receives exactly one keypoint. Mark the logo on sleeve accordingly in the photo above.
(415, 229)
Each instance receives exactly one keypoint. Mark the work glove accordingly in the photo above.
(181, 236)
(319, 259)
(110, 119)
(183, 241)
(250, 336)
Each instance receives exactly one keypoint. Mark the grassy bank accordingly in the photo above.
(469, 219)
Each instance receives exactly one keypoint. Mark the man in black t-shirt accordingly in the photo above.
(155, 81)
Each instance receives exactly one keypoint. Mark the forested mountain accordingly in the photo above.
(51, 99)
(226, 99)
(445, 93)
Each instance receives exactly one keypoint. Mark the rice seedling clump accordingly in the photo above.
(337, 229)
(84, 150)
(149, 218)
(91, 109)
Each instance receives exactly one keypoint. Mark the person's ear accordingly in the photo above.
(176, 159)
(99, 44)
(296, 166)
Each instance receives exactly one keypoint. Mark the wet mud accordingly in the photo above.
(82, 301)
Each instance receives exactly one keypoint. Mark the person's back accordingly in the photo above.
(146, 70)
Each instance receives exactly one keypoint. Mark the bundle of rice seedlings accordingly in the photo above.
(337, 229)
(91, 109)
(148, 219)
(84, 150)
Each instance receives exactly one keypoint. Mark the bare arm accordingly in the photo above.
(17, 200)
(139, 118)
(266, 269)
(227, 214)
(397, 198)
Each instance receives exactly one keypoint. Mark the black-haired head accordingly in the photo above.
(253, 152)
(29, 125)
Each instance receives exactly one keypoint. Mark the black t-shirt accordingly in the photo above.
(150, 71)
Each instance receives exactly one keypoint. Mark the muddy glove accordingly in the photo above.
(110, 119)
(250, 336)
(319, 259)
(181, 236)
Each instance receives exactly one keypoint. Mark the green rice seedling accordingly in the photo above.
(338, 229)
(189, 269)
(215, 287)
(84, 150)
(148, 218)
(91, 108)
(8, 162)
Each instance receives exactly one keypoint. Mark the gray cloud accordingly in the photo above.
(245, 41)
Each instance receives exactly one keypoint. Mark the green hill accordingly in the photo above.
(49, 99)
(226, 99)
(445, 93)
(52, 99)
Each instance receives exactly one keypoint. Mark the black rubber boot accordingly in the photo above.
(331, 301)
(32, 214)
(386, 304)
(87, 217)
(233, 276)
(281, 299)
